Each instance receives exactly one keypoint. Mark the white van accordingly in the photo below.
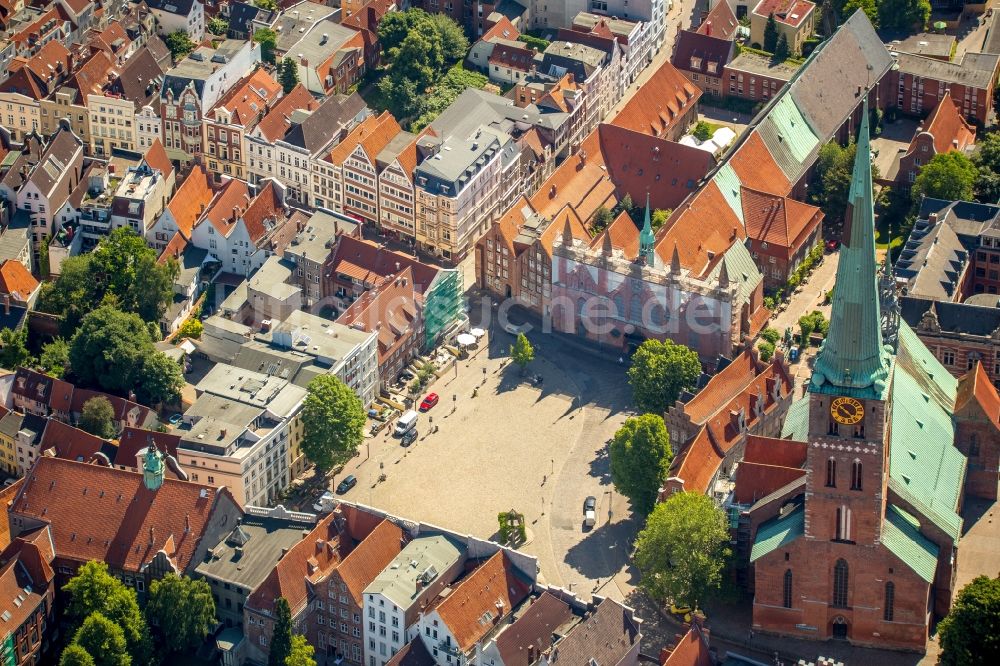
(406, 423)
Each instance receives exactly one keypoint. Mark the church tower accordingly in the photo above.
(647, 238)
(848, 453)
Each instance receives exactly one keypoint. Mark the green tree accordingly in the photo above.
(94, 590)
(14, 349)
(814, 322)
(702, 131)
(333, 420)
(640, 457)
(72, 295)
(98, 417)
(766, 350)
(970, 634)
(268, 40)
(271, 5)
(659, 372)
(191, 328)
(160, 379)
(301, 653)
(771, 335)
(445, 92)
(905, 15)
(281, 637)
(109, 348)
(601, 220)
(770, 34)
(832, 181)
(659, 217)
(393, 28)
(54, 358)
(869, 7)
(454, 43)
(987, 160)
(288, 74)
(183, 609)
(521, 352)
(74, 655)
(781, 49)
(950, 176)
(179, 44)
(682, 551)
(103, 640)
(218, 26)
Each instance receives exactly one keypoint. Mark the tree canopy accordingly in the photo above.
(281, 637)
(268, 40)
(683, 549)
(179, 44)
(948, 176)
(98, 417)
(903, 14)
(217, 26)
(770, 34)
(103, 640)
(333, 420)
(970, 634)
(659, 372)
(640, 457)
(54, 358)
(445, 92)
(109, 348)
(521, 352)
(183, 609)
(288, 74)
(301, 653)
(74, 655)
(94, 590)
(987, 160)
(14, 348)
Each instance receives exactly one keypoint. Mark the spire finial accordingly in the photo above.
(647, 238)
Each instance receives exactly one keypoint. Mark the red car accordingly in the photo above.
(429, 401)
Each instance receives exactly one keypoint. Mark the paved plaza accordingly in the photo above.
(538, 448)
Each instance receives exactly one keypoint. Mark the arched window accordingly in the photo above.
(788, 588)
(635, 309)
(840, 574)
(890, 597)
(831, 473)
(856, 475)
(843, 531)
(619, 311)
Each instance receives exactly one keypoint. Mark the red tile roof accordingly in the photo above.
(174, 248)
(756, 168)
(660, 102)
(133, 440)
(250, 98)
(697, 463)
(190, 200)
(69, 442)
(755, 481)
(624, 236)
(16, 281)
(502, 29)
(721, 22)
(975, 386)
(496, 587)
(92, 74)
(774, 451)
(515, 57)
(372, 134)
(692, 648)
(778, 221)
(789, 12)
(276, 123)
(7, 496)
(19, 589)
(722, 387)
(36, 76)
(391, 309)
(371, 556)
(156, 158)
(946, 125)
(704, 225)
(126, 524)
(227, 205)
(131, 413)
(265, 209)
(368, 261)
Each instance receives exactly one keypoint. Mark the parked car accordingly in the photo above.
(409, 437)
(430, 400)
(349, 482)
(832, 245)
(324, 504)
(176, 418)
(515, 329)
(590, 504)
(406, 374)
(590, 511)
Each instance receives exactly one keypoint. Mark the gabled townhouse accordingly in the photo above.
(330, 57)
(396, 187)
(70, 99)
(10, 428)
(794, 20)
(261, 155)
(365, 20)
(181, 520)
(229, 121)
(83, 13)
(183, 210)
(27, 576)
(633, 38)
(300, 136)
(309, 251)
(702, 53)
(236, 229)
(194, 86)
(125, 113)
(594, 62)
(454, 627)
(49, 24)
(942, 132)
(41, 395)
(353, 165)
(393, 310)
(185, 15)
(114, 41)
(125, 413)
(29, 81)
(247, 18)
(48, 183)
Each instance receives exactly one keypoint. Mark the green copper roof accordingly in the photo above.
(853, 360)
(778, 531)
(924, 466)
(729, 184)
(796, 425)
(646, 237)
(901, 535)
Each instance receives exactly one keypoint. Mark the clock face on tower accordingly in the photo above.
(847, 410)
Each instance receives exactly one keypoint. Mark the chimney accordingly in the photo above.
(708, 28)
(187, 523)
(6, 304)
(932, 218)
(152, 535)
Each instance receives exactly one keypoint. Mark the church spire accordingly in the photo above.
(853, 360)
(646, 238)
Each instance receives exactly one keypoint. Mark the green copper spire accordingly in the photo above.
(646, 238)
(853, 360)
(152, 468)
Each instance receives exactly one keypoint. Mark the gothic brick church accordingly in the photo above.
(867, 550)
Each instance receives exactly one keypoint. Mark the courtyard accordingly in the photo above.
(534, 443)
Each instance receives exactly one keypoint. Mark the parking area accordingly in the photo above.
(534, 443)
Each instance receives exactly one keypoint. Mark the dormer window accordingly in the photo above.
(713, 68)
(695, 62)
